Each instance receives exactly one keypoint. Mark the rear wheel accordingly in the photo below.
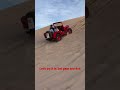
(28, 32)
(50, 34)
(49, 39)
(69, 30)
(58, 37)
(65, 33)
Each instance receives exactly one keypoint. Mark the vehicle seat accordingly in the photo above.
(60, 28)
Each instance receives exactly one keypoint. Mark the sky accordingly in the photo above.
(49, 11)
(8, 3)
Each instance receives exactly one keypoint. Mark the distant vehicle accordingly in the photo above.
(58, 31)
(28, 22)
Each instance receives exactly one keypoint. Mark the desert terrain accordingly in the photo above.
(69, 52)
(102, 45)
(16, 49)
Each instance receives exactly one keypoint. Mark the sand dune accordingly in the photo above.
(16, 49)
(96, 7)
(69, 52)
(12, 30)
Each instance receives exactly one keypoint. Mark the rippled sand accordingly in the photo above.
(69, 52)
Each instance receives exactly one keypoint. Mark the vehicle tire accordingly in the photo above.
(65, 33)
(58, 37)
(50, 33)
(69, 30)
(28, 32)
(49, 39)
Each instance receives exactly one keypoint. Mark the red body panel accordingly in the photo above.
(66, 27)
(61, 32)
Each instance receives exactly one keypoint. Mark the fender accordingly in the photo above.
(55, 33)
(66, 28)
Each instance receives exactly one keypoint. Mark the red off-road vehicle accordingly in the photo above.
(28, 22)
(57, 35)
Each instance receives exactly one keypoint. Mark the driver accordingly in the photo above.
(56, 29)
(52, 28)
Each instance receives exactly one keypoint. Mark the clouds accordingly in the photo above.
(49, 11)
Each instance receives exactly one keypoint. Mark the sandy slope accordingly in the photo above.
(70, 52)
(102, 43)
(16, 47)
(10, 25)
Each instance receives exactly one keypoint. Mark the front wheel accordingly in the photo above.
(58, 37)
(69, 30)
(49, 39)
